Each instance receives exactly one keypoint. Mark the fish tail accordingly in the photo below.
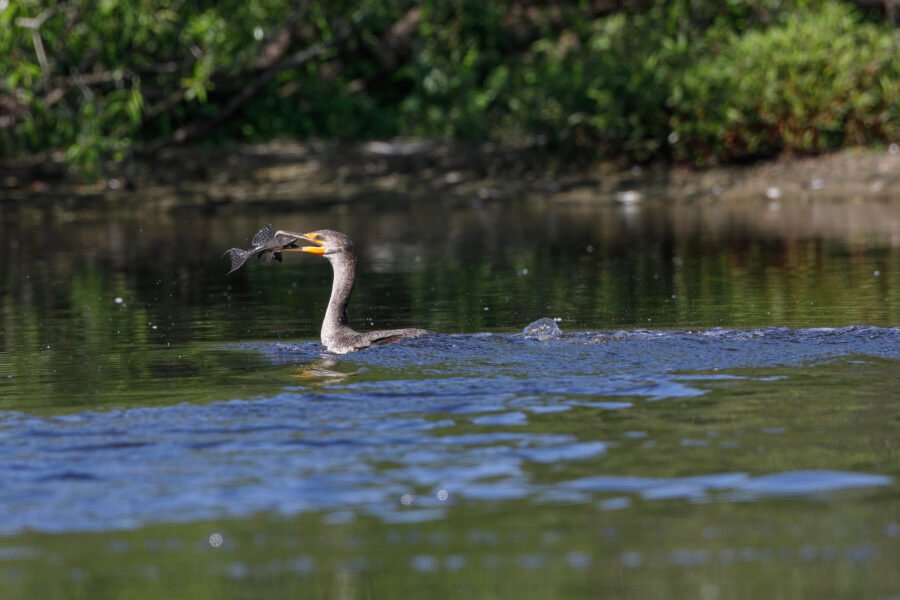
(238, 258)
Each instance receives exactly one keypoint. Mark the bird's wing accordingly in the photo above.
(388, 336)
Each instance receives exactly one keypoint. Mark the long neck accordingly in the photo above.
(344, 266)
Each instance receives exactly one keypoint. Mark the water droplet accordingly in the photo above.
(618, 503)
(628, 197)
(631, 559)
(892, 530)
(424, 563)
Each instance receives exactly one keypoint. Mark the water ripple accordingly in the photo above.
(444, 413)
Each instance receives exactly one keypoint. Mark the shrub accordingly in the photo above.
(692, 80)
(818, 81)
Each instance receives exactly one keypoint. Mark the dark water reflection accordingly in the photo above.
(719, 424)
(119, 290)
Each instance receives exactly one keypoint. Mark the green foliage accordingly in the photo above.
(694, 80)
(458, 71)
(766, 92)
(93, 78)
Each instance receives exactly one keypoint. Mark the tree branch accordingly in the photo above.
(199, 128)
(35, 26)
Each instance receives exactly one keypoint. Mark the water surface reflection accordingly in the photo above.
(717, 417)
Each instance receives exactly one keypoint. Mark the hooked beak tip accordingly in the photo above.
(318, 249)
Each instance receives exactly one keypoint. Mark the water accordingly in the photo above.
(717, 417)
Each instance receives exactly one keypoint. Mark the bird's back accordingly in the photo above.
(347, 340)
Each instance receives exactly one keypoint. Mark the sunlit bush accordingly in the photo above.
(689, 80)
(724, 86)
(816, 82)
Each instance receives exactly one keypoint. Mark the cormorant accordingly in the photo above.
(337, 336)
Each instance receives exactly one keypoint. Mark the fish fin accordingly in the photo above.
(262, 236)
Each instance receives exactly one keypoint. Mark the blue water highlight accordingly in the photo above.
(404, 432)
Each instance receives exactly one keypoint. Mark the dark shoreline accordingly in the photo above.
(325, 172)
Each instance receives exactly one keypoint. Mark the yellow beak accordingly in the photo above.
(318, 249)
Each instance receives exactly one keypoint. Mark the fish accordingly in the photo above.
(265, 245)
